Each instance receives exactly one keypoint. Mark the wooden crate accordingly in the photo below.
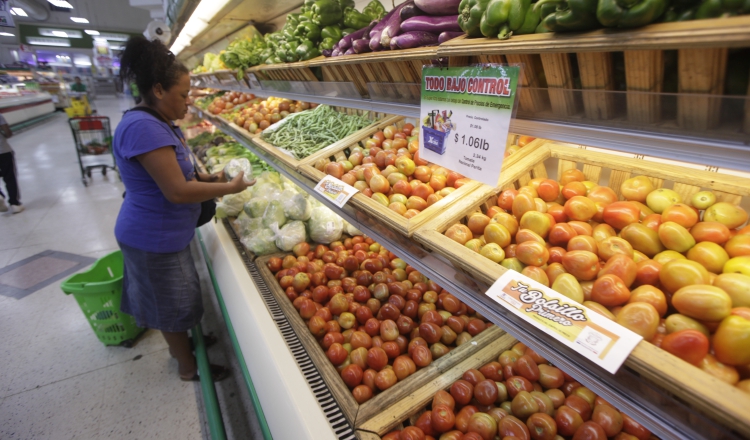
(707, 394)
(376, 118)
(394, 67)
(392, 417)
(550, 61)
(284, 72)
(402, 225)
(355, 413)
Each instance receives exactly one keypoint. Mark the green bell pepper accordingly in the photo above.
(308, 31)
(470, 16)
(503, 17)
(722, 8)
(355, 19)
(530, 22)
(571, 15)
(327, 43)
(292, 19)
(347, 31)
(346, 4)
(327, 12)
(333, 32)
(307, 6)
(675, 14)
(629, 13)
(374, 10)
(307, 50)
(541, 29)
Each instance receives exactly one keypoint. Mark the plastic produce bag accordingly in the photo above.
(256, 207)
(234, 166)
(247, 225)
(296, 207)
(351, 230)
(267, 190)
(325, 225)
(232, 204)
(274, 214)
(262, 242)
(290, 235)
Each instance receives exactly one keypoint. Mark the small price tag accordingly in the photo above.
(592, 335)
(338, 191)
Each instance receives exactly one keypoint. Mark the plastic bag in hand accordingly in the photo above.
(234, 166)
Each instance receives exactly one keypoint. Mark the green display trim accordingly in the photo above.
(237, 350)
(213, 411)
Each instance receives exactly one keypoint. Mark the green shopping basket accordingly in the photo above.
(98, 292)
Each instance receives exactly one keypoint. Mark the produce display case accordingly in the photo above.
(610, 89)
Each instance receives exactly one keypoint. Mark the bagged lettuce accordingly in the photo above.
(256, 207)
(325, 226)
(290, 235)
(262, 242)
(247, 225)
(274, 214)
(296, 206)
(351, 230)
(234, 166)
(232, 204)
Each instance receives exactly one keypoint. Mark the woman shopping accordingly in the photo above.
(162, 204)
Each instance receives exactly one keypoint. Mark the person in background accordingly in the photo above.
(8, 171)
(162, 203)
(78, 86)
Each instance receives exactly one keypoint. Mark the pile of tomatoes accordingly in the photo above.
(388, 169)
(257, 116)
(377, 318)
(227, 102)
(520, 396)
(677, 274)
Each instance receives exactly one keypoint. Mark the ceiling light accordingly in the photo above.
(92, 32)
(59, 34)
(61, 4)
(42, 41)
(18, 11)
(6, 34)
(197, 23)
(79, 20)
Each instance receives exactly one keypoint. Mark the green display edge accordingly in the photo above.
(213, 411)
(235, 344)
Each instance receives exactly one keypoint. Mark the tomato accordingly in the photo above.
(568, 285)
(641, 318)
(462, 391)
(561, 233)
(463, 417)
(550, 377)
(723, 372)
(523, 203)
(485, 391)
(609, 290)
(568, 420)
(421, 355)
(702, 302)
(642, 239)
(528, 368)
(483, 424)
(636, 188)
(681, 214)
(738, 246)
(652, 221)
(555, 268)
(443, 419)
(532, 253)
(337, 354)
(714, 232)
(572, 189)
(583, 265)
(709, 255)
(412, 433)
(516, 384)
(608, 418)
(492, 371)
(385, 379)
(676, 274)
(675, 237)
(634, 428)
(660, 199)
(498, 234)
(548, 190)
(556, 396)
(620, 214)
(730, 215)
(505, 199)
(622, 266)
(738, 265)
(511, 426)
(688, 345)
(579, 405)
(731, 341)
(589, 431)
(352, 375)
(582, 243)
(580, 208)
(737, 286)
(542, 427)
(452, 435)
(651, 295)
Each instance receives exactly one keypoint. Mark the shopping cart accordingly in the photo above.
(93, 140)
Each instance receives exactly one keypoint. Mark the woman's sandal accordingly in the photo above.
(218, 373)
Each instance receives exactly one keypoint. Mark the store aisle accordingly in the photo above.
(57, 381)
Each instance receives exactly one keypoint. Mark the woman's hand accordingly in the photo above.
(238, 184)
(219, 177)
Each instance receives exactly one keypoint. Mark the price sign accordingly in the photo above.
(336, 190)
(465, 117)
(592, 335)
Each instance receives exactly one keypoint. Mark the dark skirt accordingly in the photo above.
(162, 291)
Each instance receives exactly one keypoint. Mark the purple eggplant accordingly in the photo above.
(409, 11)
(336, 52)
(381, 24)
(445, 36)
(327, 52)
(438, 7)
(349, 51)
(426, 23)
(346, 42)
(413, 39)
(393, 25)
(361, 46)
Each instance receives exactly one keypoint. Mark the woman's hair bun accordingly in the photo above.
(148, 63)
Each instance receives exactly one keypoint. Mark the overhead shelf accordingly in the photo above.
(639, 389)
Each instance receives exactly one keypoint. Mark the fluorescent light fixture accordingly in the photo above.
(18, 11)
(61, 4)
(197, 23)
(42, 41)
(6, 34)
(113, 37)
(90, 32)
(79, 20)
(62, 33)
(59, 34)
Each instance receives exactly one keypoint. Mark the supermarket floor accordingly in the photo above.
(57, 381)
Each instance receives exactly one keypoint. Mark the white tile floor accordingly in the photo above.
(57, 381)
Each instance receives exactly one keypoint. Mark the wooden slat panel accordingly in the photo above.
(685, 191)
(596, 74)
(559, 74)
(530, 98)
(727, 197)
(700, 71)
(644, 72)
(564, 165)
(616, 178)
(592, 172)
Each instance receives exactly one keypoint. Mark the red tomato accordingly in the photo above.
(411, 433)
(510, 426)
(568, 420)
(424, 422)
(463, 417)
(609, 291)
(485, 391)
(542, 427)
(462, 391)
(608, 418)
(443, 419)
(688, 345)
(590, 431)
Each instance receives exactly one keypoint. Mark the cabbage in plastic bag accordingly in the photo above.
(274, 214)
(270, 176)
(256, 207)
(296, 206)
(267, 190)
(232, 204)
(290, 235)
(325, 225)
(263, 242)
(351, 230)
(234, 166)
(247, 225)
